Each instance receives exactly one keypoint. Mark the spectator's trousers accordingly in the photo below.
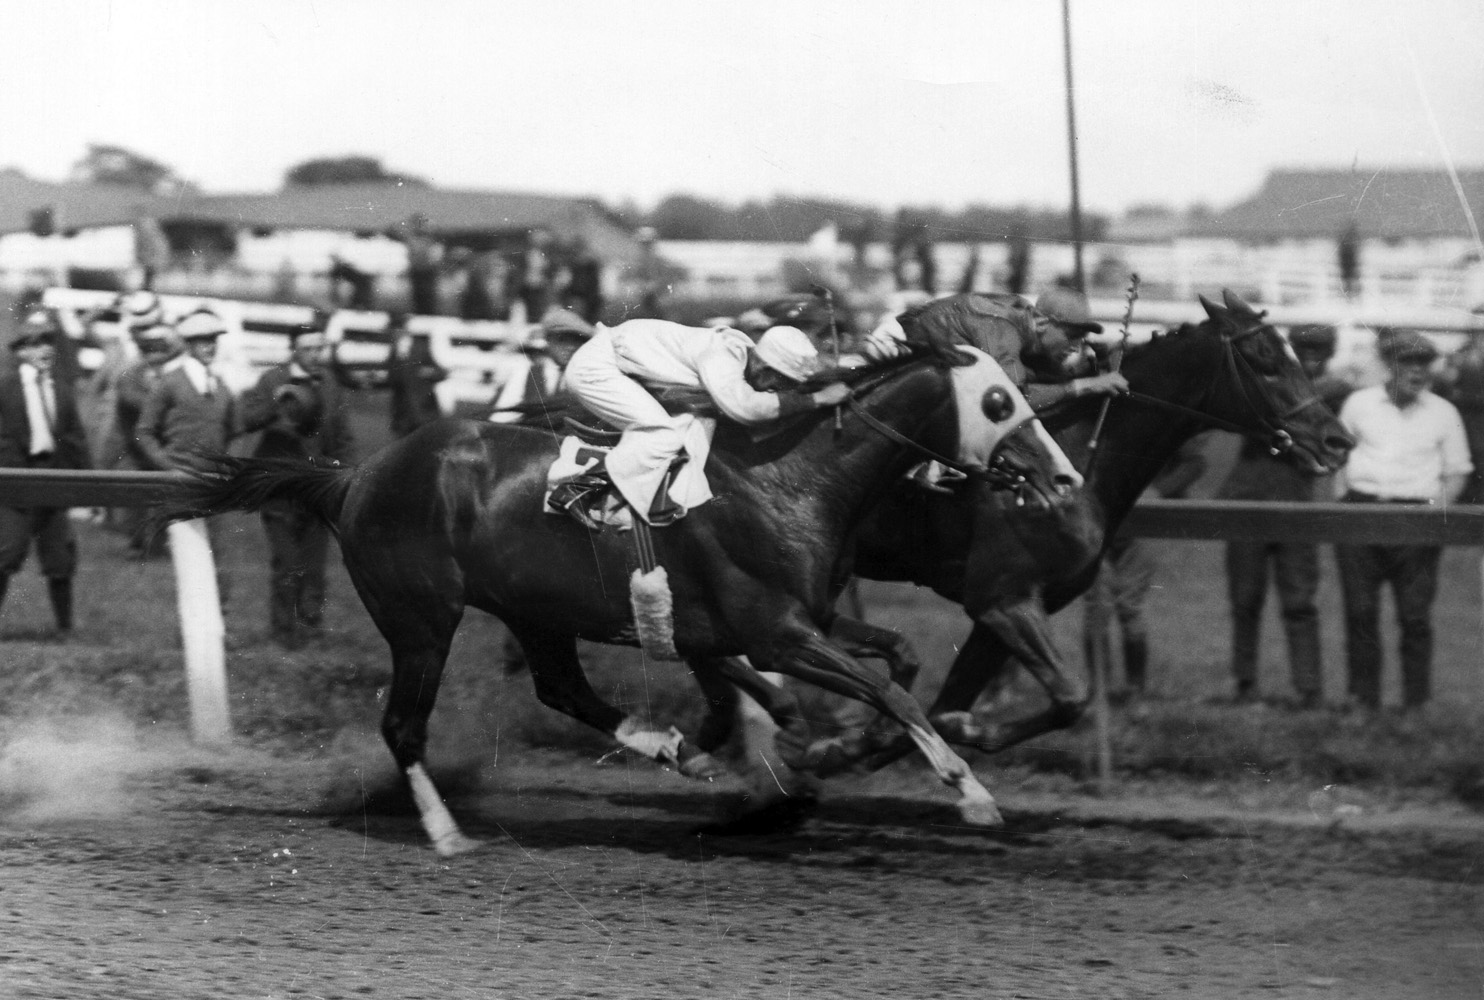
(298, 546)
(1296, 574)
(1412, 572)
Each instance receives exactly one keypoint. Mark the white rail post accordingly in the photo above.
(202, 632)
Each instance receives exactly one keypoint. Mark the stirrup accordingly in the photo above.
(575, 498)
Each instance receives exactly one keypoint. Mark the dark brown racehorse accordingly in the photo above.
(1010, 566)
(452, 517)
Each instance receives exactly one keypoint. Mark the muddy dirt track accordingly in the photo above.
(253, 877)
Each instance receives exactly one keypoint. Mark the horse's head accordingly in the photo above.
(998, 427)
(1262, 387)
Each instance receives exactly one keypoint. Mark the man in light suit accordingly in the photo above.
(40, 428)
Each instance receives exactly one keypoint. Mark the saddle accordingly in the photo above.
(579, 486)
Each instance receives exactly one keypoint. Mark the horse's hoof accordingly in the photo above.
(454, 844)
(827, 758)
(957, 727)
(980, 813)
(698, 764)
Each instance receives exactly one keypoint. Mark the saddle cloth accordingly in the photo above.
(578, 460)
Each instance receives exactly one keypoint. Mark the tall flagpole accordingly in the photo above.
(1066, 36)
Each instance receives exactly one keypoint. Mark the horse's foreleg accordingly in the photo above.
(861, 638)
(804, 653)
(561, 684)
(1025, 630)
(982, 664)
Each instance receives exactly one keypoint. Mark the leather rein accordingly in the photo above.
(1234, 365)
(994, 476)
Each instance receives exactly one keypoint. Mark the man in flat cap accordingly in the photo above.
(1260, 475)
(301, 411)
(1410, 447)
(40, 428)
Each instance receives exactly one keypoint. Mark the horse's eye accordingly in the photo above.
(997, 405)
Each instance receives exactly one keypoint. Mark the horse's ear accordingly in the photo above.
(1235, 304)
(1212, 309)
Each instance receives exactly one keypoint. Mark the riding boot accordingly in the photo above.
(1135, 661)
(663, 510)
(59, 589)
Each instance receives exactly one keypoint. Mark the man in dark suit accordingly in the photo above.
(300, 410)
(40, 428)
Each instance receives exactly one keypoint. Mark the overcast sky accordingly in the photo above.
(887, 103)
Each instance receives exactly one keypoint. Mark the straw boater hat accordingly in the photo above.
(202, 324)
(139, 309)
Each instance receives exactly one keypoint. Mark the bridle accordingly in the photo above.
(1249, 384)
(997, 476)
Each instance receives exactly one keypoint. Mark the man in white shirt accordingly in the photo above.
(1410, 447)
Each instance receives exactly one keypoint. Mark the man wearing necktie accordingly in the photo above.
(40, 429)
(189, 411)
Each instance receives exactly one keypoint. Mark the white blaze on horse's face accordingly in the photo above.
(979, 436)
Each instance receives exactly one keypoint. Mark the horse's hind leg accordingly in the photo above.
(420, 631)
(561, 684)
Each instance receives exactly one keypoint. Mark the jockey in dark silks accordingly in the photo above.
(1042, 347)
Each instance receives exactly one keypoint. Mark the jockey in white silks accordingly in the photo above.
(722, 361)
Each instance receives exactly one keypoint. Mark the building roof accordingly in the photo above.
(344, 207)
(74, 206)
(1381, 203)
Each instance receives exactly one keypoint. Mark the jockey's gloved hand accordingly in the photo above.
(886, 341)
(1106, 384)
(831, 395)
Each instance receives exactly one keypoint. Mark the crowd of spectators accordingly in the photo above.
(1415, 444)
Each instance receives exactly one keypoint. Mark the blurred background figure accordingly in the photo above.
(300, 409)
(190, 412)
(40, 428)
(412, 376)
(1462, 384)
(582, 291)
(158, 345)
(1127, 573)
(424, 265)
(648, 277)
(1410, 447)
(535, 270)
(1259, 475)
(546, 352)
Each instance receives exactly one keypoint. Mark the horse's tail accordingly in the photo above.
(226, 483)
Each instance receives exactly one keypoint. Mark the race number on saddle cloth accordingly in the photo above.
(603, 373)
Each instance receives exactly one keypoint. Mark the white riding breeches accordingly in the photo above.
(652, 438)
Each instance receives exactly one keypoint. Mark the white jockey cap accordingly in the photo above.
(788, 350)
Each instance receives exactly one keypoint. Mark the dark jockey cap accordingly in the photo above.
(1068, 309)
